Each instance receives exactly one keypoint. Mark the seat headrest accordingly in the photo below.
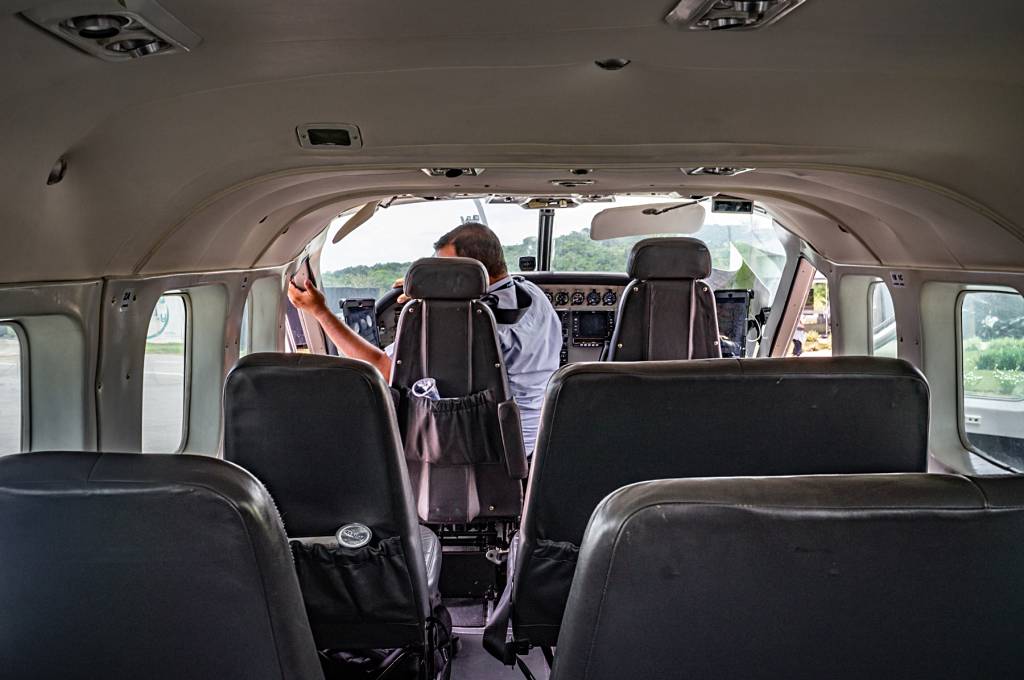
(446, 278)
(669, 258)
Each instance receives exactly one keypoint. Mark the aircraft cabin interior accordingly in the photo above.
(484, 340)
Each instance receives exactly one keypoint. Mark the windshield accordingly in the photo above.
(746, 250)
(370, 258)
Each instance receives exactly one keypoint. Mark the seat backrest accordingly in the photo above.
(840, 577)
(465, 451)
(667, 311)
(608, 425)
(320, 433)
(126, 566)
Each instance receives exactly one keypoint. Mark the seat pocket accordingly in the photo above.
(457, 431)
(551, 568)
(355, 586)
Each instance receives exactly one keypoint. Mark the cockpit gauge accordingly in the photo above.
(609, 298)
(593, 298)
(577, 297)
(549, 296)
(561, 298)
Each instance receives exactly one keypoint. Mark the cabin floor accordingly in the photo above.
(474, 663)
(469, 615)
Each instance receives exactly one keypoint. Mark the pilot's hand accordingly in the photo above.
(400, 283)
(310, 300)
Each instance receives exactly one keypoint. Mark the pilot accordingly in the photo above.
(531, 345)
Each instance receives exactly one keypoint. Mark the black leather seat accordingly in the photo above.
(465, 451)
(607, 425)
(320, 433)
(839, 577)
(127, 566)
(667, 311)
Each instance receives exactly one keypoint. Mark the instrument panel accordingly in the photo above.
(587, 314)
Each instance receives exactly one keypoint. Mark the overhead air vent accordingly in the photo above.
(452, 173)
(718, 15)
(572, 183)
(716, 171)
(115, 30)
(329, 136)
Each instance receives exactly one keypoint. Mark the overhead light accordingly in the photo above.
(717, 15)
(716, 171)
(115, 30)
(539, 202)
(97, 26)
(329, 136)
(452, 173)
(138, 47)
(731, 204)
(572, 183)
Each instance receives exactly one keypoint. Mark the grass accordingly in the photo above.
(165, 348)
(990, 382)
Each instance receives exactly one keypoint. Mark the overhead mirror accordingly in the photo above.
(648, 219)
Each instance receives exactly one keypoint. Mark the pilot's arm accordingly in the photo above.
(348, 342)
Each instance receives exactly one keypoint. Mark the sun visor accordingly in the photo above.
(646, 220)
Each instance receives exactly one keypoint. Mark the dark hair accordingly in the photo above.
(475, 240)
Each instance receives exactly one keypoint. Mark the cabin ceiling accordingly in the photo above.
(899, 120)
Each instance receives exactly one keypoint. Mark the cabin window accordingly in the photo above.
(165, 376)
(11, 393)
(245, 331)
(882, 324)
(812, 335)
(992, 374)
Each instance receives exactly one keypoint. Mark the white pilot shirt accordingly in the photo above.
(530, 347)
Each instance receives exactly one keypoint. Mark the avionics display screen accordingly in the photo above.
(733, 307)
(592, 326)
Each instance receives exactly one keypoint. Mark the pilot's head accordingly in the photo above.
(474, 240)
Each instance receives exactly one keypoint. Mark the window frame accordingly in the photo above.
(245, 325)
(961, 425)
(186, 404)
(25, 370)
